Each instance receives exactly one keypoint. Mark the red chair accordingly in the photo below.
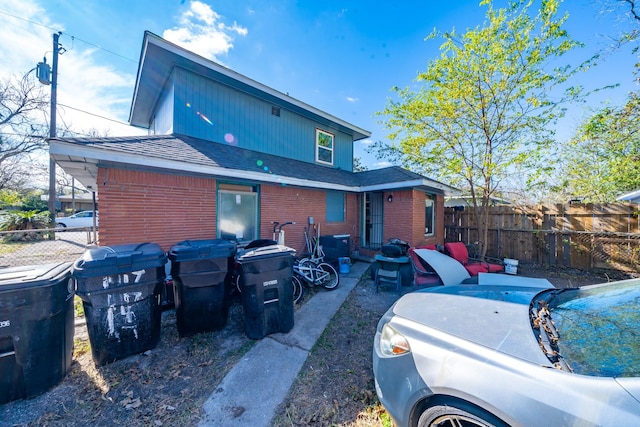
(422, 274)
(459, 252)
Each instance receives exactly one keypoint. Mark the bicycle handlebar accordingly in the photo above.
(277, 229)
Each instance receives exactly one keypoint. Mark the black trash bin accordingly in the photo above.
(120, 287)
(201, 271)
(36, 328)
(267, 292)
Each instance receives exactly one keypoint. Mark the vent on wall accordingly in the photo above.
(275, 111)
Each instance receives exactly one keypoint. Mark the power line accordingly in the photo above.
(67, 34)
(94, 114)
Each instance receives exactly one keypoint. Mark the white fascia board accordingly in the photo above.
(246, 80)
(406, 184)
(73, 150)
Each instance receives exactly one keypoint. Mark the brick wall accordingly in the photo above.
(138, 207)
(287, 203)
(404, 217)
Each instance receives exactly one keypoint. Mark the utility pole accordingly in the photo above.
(52, 125)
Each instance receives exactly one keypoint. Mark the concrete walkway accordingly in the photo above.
(252, 390)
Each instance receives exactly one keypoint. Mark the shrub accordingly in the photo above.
(25, 220)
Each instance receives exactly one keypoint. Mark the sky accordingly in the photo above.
(342, 57)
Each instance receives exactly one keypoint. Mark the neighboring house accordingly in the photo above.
(461, 201)
(633, 197)
(226, 156)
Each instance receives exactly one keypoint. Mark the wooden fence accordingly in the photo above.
(584, 236)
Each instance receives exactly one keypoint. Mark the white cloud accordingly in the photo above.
(201, 30)
(366, 142)
(352, 99)
(83, 83)
(380, 165)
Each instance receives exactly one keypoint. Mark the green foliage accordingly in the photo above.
(483, 110)
(30, 201)
(24, 220)
(9, 198)
(33, 201)
(602, 160)
(358, 166)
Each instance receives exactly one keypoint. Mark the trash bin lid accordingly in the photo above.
(14, 278)
(108, 260)
(265, 252)
(189, 250)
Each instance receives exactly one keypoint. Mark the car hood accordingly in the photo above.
(496, 317)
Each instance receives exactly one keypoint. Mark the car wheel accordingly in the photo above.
(60, 225)
(454, 416)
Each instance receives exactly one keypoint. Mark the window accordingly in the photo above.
(335, 206)
(324, 147)
(429, 218)
(237, 214)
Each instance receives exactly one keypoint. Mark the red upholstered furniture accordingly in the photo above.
(422, 276)
(459, 252)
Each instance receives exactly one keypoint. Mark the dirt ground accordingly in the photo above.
(167, 386)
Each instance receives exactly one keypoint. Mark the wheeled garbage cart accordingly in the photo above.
(201, 271)
(120, 287)
(36, 328)
(267, 293)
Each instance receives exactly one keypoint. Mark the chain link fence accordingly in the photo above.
(44, 246)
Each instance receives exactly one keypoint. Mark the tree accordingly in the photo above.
(484, 109)
(358, 166)
(602, 160)
(21, 130)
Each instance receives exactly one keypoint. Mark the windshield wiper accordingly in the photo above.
(547, 333)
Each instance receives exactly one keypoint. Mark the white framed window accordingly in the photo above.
(324, 147)
(429, 217)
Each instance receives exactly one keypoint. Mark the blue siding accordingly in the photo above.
(163, 119)
(208, 110)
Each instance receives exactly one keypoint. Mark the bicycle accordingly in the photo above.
(312, 269)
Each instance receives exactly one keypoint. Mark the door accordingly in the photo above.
(372, 222)
(237, 215)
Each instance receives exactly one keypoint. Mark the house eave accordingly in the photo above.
(159, 57)
(85, 162)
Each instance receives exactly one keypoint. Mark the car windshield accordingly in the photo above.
(598, 328)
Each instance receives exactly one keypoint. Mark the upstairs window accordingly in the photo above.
(324, 147)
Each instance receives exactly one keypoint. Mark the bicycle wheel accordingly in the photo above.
(298, 290)
(306, 269)
(329, 277)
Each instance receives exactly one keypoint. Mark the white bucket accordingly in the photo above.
(510, 266)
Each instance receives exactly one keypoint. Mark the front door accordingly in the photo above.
(372, 221)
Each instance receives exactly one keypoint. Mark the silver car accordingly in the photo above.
(511, 351)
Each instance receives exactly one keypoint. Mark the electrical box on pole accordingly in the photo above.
(43, 72)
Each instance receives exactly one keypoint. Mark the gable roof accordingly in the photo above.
(159, 57)
(81, 158)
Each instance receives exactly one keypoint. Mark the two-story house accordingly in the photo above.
(226, 156)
